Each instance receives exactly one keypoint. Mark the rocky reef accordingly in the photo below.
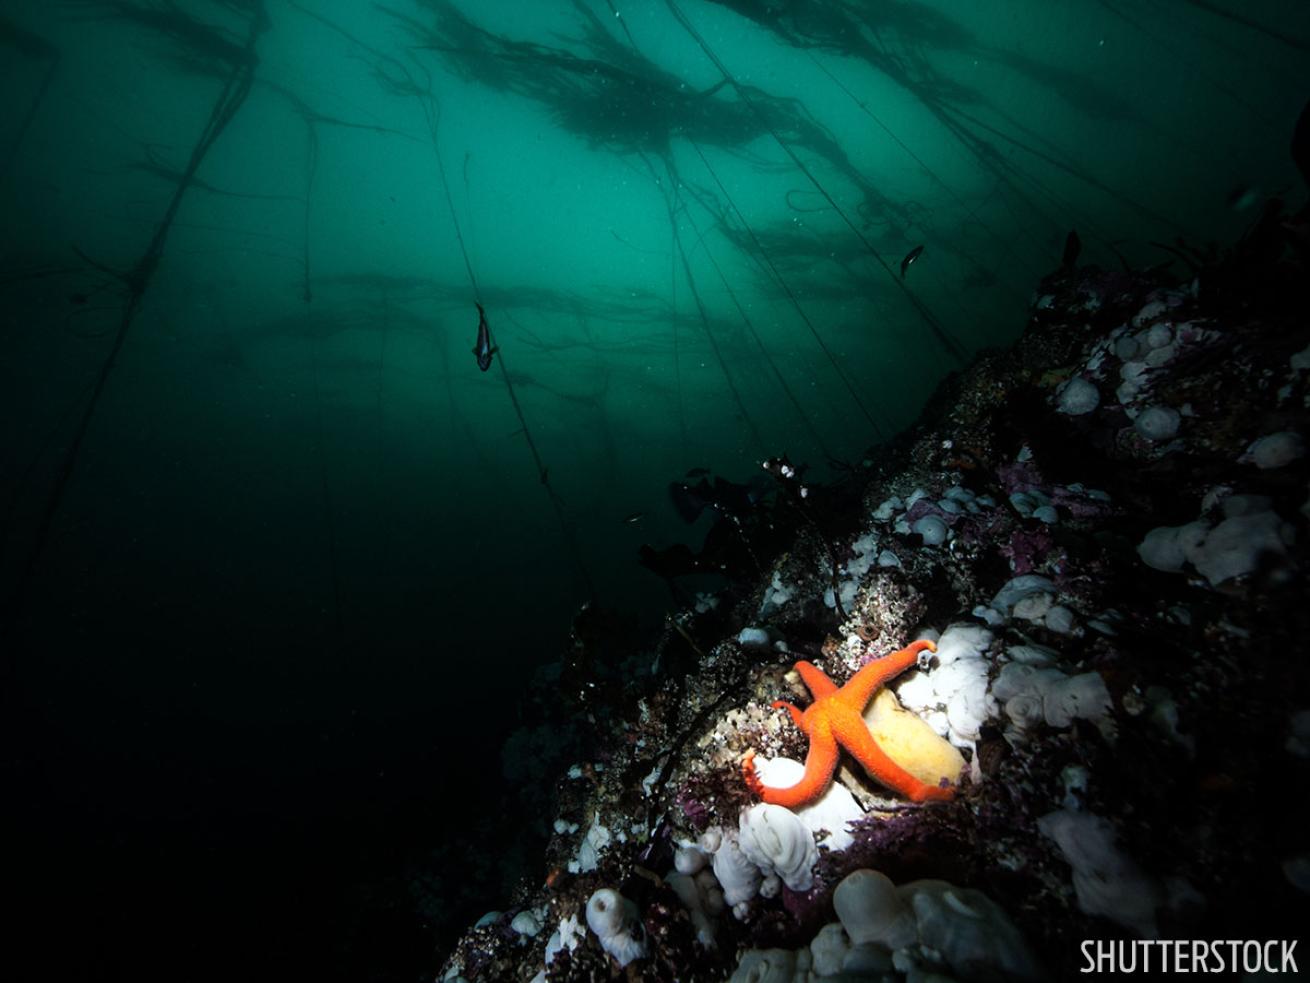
(1104, 531)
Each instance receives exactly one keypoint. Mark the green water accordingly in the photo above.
(295, 555)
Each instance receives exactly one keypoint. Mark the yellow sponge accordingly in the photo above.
(910, 742)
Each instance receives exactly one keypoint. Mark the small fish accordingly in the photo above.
(634, 518)
(909, 259)
(483, 350)
(1072, 247)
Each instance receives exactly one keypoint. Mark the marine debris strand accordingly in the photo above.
(804, 418)
(944, 338)
(432, 111)
(673, 203)
(762, 258)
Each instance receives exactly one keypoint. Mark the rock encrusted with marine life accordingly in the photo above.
(1116, 592)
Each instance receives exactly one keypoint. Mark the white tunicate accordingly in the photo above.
(772, 966)
(1031, 655)
(1149, 312)
(828, 949)
(1133, 376)
(1017, 588)
(1126, 348)
(778, 842)
(753, 636)
(689, 893)
(1035, 694)
(1083, 696)
(1157, 422)
(885, 511)
(871, 910)
(1235, 546)
(614, 920)
(970, 706)
(1034, 606)
(1106, 880)
(1160, 356)
(567, 936)
(1059, 620)
(1159, 335)
(932, 529)
(1075, 780)
(528, 922)
(738, 876)
(1077, 396)
(962, 641)
(689, 859)
(593, 844)
(1167, 547)
(1275, 450)
(969, 932)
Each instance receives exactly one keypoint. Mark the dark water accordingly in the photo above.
(279, 561)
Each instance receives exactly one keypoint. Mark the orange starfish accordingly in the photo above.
(835, 720)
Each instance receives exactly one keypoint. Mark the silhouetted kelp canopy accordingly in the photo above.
(598, 83)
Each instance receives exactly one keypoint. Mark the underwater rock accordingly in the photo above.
(1091, 634)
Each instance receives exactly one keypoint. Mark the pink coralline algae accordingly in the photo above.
(1019, 476)
(1027, 548)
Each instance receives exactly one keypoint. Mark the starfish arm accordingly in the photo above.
(797, 715)
(815, 680)
(853, 734)
(860, 688)
(820, 763)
